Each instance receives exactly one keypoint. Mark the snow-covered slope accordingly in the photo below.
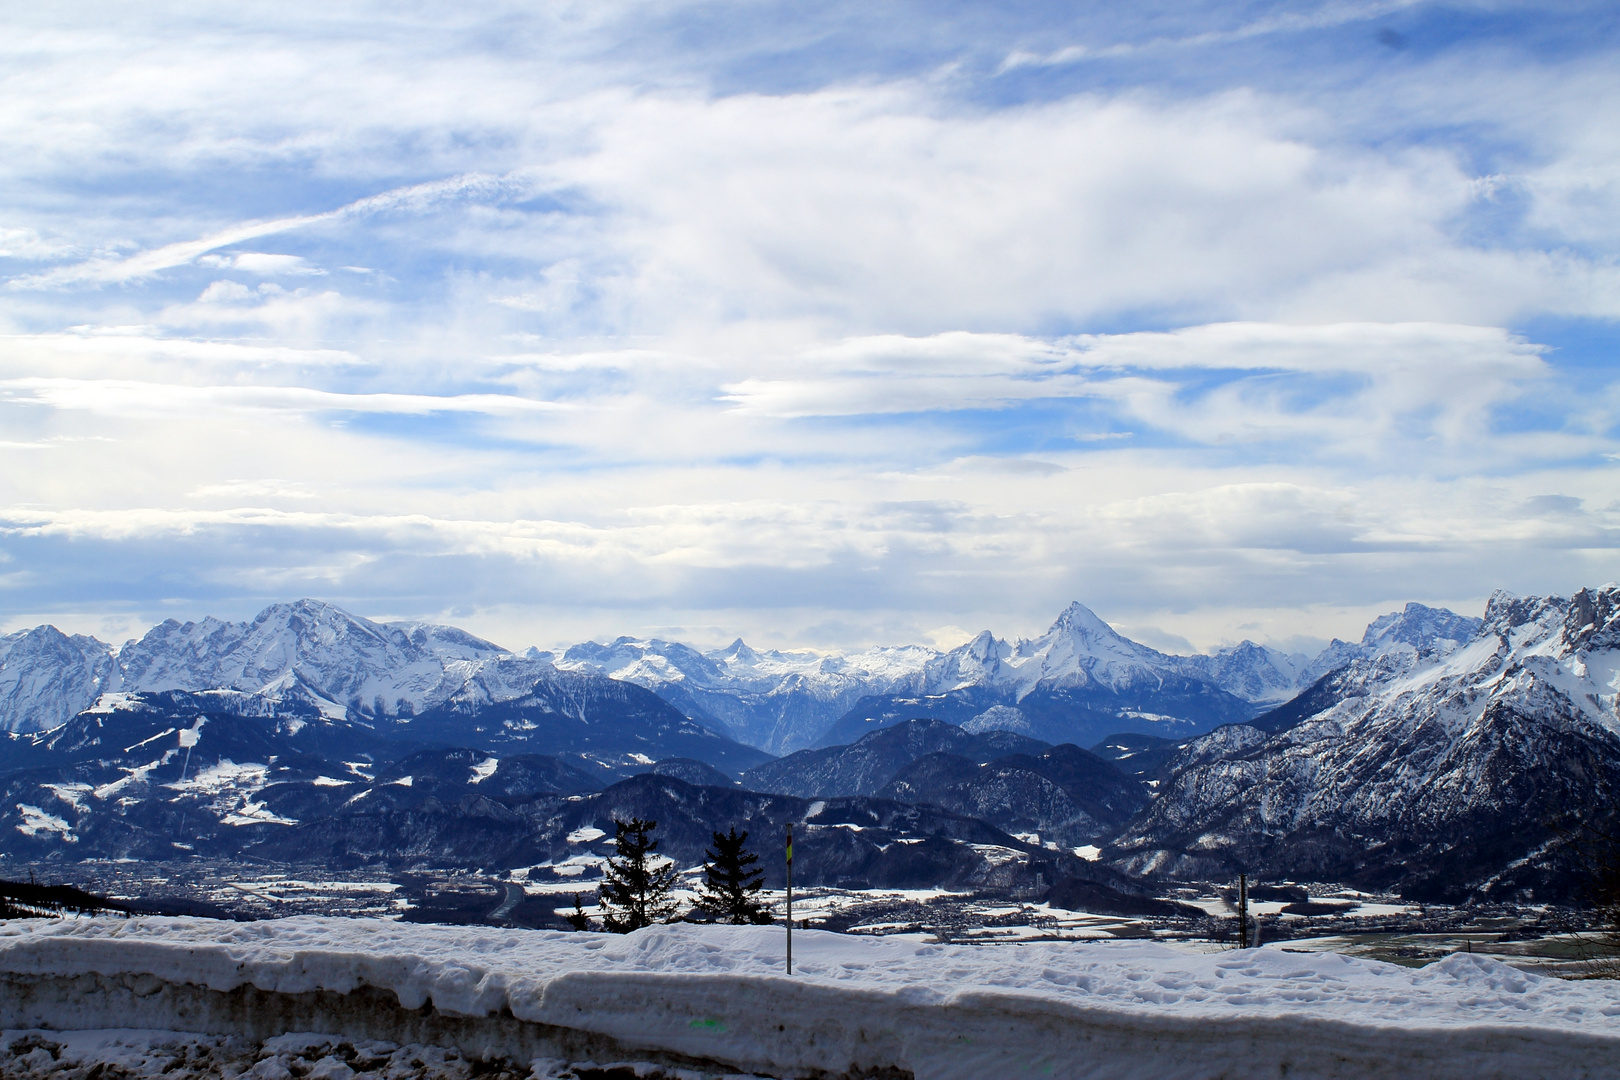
(1078, 650)
(305, 650)
(1438, 768)
(1255, 673)
(1400, 640)
(227, 774)
(853, 1005)
(778, 701)
(374, 669)
(46, 677)
(1079, 682)
(775, 700)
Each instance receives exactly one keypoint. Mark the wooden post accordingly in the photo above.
(790, 898)
(1243, 911)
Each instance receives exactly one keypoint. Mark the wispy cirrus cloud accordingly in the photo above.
(143, 264)
(1324, 17)
(112, 397)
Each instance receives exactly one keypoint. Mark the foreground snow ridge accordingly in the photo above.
(854, 1007)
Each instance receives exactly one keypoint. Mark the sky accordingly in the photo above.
(823, 325)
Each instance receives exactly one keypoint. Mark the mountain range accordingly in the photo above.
(1439, 756)
(1077, 682)
(413, 683)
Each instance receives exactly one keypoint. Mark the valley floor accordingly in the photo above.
(1548, 940)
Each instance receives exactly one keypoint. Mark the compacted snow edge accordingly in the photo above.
(854, 1006)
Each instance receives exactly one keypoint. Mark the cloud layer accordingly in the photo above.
(610, 318)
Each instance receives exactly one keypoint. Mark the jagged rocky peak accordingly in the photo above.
(47, 677)
(1401, 640)
(1586, 621)
(1506, 612)
(1255, 673)
(1431, 632)
(317, 648)
(976, 661)
(1081, 621)
(1080, 648)
(279, 641)
(1593, 620)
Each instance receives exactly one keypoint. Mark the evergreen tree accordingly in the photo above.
(578, 919)
(731, 887)
(636, 888)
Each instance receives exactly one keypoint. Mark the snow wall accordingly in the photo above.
(856, 1007)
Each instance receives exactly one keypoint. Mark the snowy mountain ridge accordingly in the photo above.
(306, 649)
(777, 700)
(785, 701)
(1437, 766)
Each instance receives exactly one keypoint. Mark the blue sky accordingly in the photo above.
(820, 324)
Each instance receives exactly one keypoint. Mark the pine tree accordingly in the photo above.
(731, 887)
(636, 888)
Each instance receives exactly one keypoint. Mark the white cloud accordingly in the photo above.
(112, 397)
(1371, 391)
(28, 244)
(825, 359)
(226, 292)
(119, 345)
(261, 263)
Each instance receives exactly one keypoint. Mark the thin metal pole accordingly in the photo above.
(790, 898)
(1243, 911)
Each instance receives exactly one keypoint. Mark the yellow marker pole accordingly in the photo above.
(790, 898)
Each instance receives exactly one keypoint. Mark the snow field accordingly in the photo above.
(716, 997)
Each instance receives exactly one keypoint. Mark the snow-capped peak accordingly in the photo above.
(737, 652)
(1079, 635)
(1428, 631)
(47, 677)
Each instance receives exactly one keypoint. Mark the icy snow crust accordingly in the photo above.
(718, 993)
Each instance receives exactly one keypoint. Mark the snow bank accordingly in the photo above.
(854, 1006)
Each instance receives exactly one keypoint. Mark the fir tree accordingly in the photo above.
(636, 888)
(731, 888)
(578, 919)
